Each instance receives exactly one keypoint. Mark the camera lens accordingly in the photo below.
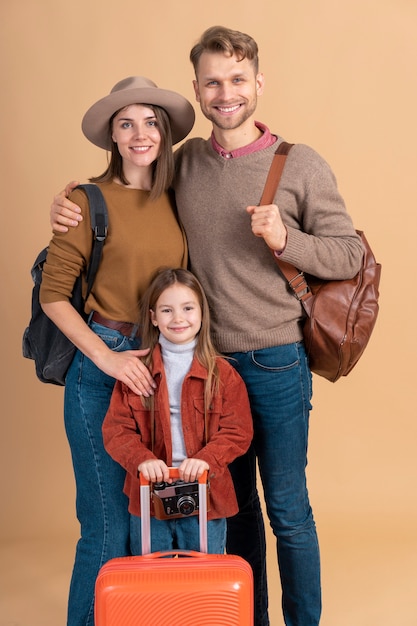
(186, 505)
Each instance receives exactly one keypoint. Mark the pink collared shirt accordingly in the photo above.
(266, 140)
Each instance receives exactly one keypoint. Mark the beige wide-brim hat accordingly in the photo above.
(137, 90)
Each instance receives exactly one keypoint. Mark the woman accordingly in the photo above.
(138, 123)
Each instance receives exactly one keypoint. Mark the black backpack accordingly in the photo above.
(42, 341)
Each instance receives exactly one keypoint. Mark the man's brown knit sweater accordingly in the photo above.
(250, 301)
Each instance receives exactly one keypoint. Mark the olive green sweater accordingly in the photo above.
(142, 236)
(249, 298)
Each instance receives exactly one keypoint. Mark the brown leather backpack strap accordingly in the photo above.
(295, 278)
(275, 171)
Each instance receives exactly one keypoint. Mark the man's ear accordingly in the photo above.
(196, 90)
(260, 84)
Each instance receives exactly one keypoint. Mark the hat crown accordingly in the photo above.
(137, 90)
(133, 82)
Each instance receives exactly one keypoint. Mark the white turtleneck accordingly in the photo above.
(177, 359)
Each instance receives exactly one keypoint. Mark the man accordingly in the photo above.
(219, 183)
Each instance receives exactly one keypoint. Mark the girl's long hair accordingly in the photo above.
(205, 350)
(162, 167)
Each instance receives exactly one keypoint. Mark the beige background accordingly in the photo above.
(340, 76)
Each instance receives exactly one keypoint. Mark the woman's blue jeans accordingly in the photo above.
(278, 380)
(102, 508)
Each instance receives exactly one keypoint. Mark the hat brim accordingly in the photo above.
(95, 123)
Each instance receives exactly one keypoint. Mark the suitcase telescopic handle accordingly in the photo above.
(174, 472)
(145, 509)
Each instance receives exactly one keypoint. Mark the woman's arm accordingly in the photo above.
(125, 366)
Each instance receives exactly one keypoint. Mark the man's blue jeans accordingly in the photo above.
(102, 508)
(278, 380)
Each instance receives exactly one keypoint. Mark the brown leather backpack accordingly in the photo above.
(340, 314)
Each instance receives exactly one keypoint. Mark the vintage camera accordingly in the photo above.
(176, 499)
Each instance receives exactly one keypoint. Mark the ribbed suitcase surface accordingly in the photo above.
(193, 590)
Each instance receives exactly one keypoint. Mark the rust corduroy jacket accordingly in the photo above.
(127, 430)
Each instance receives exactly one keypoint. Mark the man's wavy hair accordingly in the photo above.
(227, 41)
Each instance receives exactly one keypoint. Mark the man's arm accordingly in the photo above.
(64, 213)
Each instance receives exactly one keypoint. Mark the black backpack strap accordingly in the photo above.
(99, 224)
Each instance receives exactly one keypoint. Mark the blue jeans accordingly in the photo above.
(179, 534)
(101, 505)
(278, 380)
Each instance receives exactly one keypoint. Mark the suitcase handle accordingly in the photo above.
(145, 510)
(174, 472)
(181, 553)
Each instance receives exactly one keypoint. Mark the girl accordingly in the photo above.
(143, 231)
(199, 418)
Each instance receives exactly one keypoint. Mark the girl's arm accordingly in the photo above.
(122, 437)
(235, 429)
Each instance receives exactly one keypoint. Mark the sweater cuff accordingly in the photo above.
(294, 247)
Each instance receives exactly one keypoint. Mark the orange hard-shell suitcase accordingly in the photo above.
(195, 589)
